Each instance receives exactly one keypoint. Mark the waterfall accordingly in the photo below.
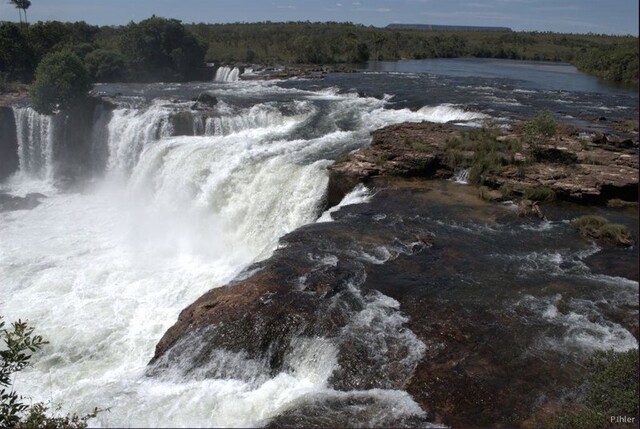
(461, 176)
(189, 199)
(227, 74)
(130, 129)
(35, 142)
(264, 116)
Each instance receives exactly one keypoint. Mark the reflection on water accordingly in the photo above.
(529, 74)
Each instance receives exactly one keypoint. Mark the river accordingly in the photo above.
(102, 268)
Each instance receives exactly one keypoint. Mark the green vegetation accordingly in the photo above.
(539, 131)
(599, 228)
(22, 6)
(542, 194)
(19, 343)
(160, 49)
(164, 49)
(105, 66)
(61, 80)
(306, 42)
(611, 384)
(154, 49)
(482, 151)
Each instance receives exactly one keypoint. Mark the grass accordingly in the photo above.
(610, 384)
(542, 194)
(599, 228)
(484, 193)
(617, 203)
(481, 151)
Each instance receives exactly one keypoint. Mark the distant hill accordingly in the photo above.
(429, 27)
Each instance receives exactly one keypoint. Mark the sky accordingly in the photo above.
(569, 16)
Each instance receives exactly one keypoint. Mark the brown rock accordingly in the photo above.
(528, 208)
(593, 173)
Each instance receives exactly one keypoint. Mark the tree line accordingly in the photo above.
(610, 57)
(159, 49)
(155, 49)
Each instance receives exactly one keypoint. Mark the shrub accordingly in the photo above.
(599, 228)
(542, 194)
(61, 80)
(540, 129)
(553, 155)
(506, 190)
(481, 151)
(20, 342)
(484, 165)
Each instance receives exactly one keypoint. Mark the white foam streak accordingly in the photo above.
(358, 195)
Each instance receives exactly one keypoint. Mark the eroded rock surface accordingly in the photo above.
(396, 294)
(576, 169)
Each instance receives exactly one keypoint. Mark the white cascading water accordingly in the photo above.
(130, 130)
(227, 74)
(104, 273)
(461, 176)
(261, 116)
(35, 142)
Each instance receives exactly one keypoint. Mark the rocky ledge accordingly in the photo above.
(575, 166)
(394, 294)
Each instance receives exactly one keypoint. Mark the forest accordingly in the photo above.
(165, 49)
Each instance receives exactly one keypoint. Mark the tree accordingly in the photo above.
(15, 2)
(17, 59)
(161, 49)
(22, 5)
(105, 66)
(20, 342)
(61, 81)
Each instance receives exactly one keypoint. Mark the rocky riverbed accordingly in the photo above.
(579, 166)
(400, 288)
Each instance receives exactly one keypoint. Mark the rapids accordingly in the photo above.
(103, 272)
(102, 269)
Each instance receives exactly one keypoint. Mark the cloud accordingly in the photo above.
(383, 10)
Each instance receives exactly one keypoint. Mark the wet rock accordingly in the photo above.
(205, 99)
(182, 123)
(11, 202)
(9, 162)
(395, 295)
(528, 208)
(358, 409)
(404, 150)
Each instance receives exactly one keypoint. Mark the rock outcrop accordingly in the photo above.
(575, 169)
(398, 294)
(8, 143)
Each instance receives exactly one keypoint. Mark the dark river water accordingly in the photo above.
(181, 199)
